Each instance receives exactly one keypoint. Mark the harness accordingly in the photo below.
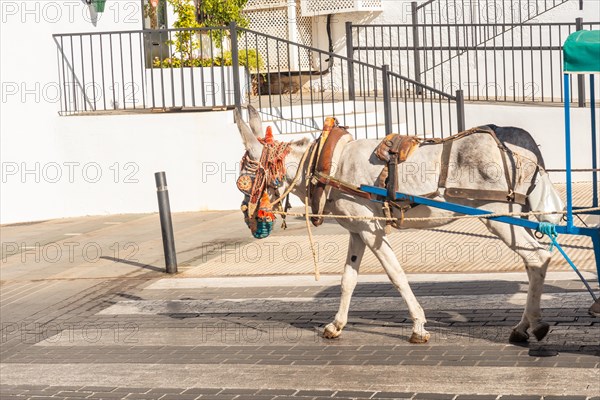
(261, 175)
(323, 155)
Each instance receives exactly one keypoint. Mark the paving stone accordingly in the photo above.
(180, 396)
(97, 389)
(354, 394)
(201, 391)
(314, 393)
(242, 392)
(433, 396)
(106, 395)
(476, 397)
(73, 394)
(142, 396)
(392, 395)
(277, 392)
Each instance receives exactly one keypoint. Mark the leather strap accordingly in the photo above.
(488, 195)
(445, 161)
(342, 186)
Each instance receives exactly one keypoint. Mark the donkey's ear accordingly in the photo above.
(251, 143)
(255, 122)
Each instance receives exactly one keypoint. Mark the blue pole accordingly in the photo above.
(568, 152)
(596, 243)
(594, 145)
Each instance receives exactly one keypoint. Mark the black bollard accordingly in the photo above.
(166, 224)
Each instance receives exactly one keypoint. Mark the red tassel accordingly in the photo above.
(269, 135)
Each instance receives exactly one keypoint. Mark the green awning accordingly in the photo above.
(582, 52)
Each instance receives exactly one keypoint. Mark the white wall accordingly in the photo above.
(50, 163)
(105, 165)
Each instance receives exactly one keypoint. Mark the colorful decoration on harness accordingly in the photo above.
(269, 136)
(265, 219)
(244, 183)
(258, 178)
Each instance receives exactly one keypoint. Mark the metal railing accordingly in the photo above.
(510, 13)
(141, 70)
(208, 68)
(489, 62)
(353, 91)
(482, 11)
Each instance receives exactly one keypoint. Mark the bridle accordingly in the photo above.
(256, 178)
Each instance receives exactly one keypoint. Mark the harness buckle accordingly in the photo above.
(511, 196)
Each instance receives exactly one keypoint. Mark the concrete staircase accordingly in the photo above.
(299, 121)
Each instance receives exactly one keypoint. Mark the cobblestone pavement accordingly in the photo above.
(133, 339)
(120, 329)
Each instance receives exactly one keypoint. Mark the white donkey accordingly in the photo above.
(474, 161)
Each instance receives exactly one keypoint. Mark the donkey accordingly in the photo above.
(477, 155)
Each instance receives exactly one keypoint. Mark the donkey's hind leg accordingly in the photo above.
(380, 246)
(356, 249)
(536, 261)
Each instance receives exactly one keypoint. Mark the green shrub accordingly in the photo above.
(249, 59)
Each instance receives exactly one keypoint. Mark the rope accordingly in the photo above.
(419, 219)
(313, 153)
(550, 230)
(292, 185)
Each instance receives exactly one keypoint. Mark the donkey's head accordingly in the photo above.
(262, 174)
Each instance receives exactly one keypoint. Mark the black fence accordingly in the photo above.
(483, 11)
(317, 83)
(489, 62)
(294, 86)
(148, 69)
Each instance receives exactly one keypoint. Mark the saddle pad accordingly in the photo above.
(402, 145)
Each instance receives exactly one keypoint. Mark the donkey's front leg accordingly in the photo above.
(356, 249)
(380, 246)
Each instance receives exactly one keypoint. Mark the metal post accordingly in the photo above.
(580, 78)
(235, 63)
(460, 110)
(568, 152)
(350, 55)
(415, 32)
(166, 224)
(387, 100)
(581, 4)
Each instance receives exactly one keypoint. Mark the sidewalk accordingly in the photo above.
(220, 244)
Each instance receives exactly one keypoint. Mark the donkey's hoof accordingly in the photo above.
(594, 310)
(541, 331)
(518, 337)
(331, 331)
(419, 338)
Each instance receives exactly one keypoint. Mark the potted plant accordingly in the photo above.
(198, 70)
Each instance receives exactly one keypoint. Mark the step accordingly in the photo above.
(368, 132)
(308, 124)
